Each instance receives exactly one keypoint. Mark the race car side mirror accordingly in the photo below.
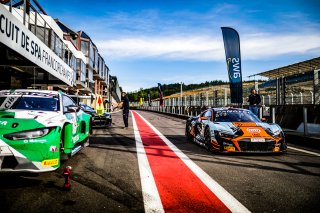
(204, 118)
(73, 108)
(263, 119)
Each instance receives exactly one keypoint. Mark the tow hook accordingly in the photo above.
(67, 175)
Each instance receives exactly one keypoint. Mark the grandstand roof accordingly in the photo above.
(292, 69)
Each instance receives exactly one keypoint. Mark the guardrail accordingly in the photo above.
(292, 117)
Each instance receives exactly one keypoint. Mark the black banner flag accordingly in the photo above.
(160, 94)
(232, 49)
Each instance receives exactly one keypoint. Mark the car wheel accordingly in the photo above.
(86, 142)
(63, 156)
(207, 136)
(90, 127)
(187, 133)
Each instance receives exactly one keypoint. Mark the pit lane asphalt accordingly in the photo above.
(106, 177)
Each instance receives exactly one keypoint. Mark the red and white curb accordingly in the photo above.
(173, 182)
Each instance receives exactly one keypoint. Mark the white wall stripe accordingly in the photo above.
(151, 198)
(233, 204)
(305, 151)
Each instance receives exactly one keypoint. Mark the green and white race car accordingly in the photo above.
(38, 128)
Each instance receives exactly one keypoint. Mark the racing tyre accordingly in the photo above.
(187, 133)
(207, 135)
(90, 126)
(63, 156)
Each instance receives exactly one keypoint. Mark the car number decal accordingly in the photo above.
(8, 102)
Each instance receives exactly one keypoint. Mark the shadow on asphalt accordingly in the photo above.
(12, 181)
(197, 153)
(21, 180)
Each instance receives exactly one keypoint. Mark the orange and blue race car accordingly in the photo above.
(235, 130)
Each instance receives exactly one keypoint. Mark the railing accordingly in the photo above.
(290, 117)
(211, 101)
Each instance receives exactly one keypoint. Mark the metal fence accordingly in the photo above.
(207, 100)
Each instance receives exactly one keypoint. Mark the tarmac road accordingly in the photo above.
(106, 176)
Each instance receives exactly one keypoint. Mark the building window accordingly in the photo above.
(85, 47)
(98, 64)
(66, 57)
(96, 58)
(58, 47)
(101, 67)
(53, 39)
(90, 75)
(81, 70)
(74, 42)
(91, 58)
(72, 62)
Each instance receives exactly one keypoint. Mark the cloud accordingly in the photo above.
(172, 48)
(272, 46)
(205, 48)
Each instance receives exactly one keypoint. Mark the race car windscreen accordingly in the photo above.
(24, 102)
(235, 116)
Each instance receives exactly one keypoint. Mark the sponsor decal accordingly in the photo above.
(253, 130)
(235, 63)
(26, 93)
(230, 148)
(75, 138)
(8, 102)
(73, 118)
(53, 149)
(35, 141)
(52, 162)
(3, 123)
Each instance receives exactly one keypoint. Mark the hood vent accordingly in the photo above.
(7, 116)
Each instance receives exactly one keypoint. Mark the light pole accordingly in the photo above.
(181, 98)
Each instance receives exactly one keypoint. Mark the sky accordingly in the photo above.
(145, 42)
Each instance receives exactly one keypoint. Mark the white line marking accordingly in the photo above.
(233, 204)
(151, 197)
(305, 151)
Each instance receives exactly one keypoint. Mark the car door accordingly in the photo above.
(72, 117)
(206, 119)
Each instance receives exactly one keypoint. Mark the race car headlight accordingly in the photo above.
(227, 135)
(107, 115)
(277, 134)
(27, 134)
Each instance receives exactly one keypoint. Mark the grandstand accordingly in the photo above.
(292, 84)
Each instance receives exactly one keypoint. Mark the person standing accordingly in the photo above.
(254, 101)
(125, 108)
